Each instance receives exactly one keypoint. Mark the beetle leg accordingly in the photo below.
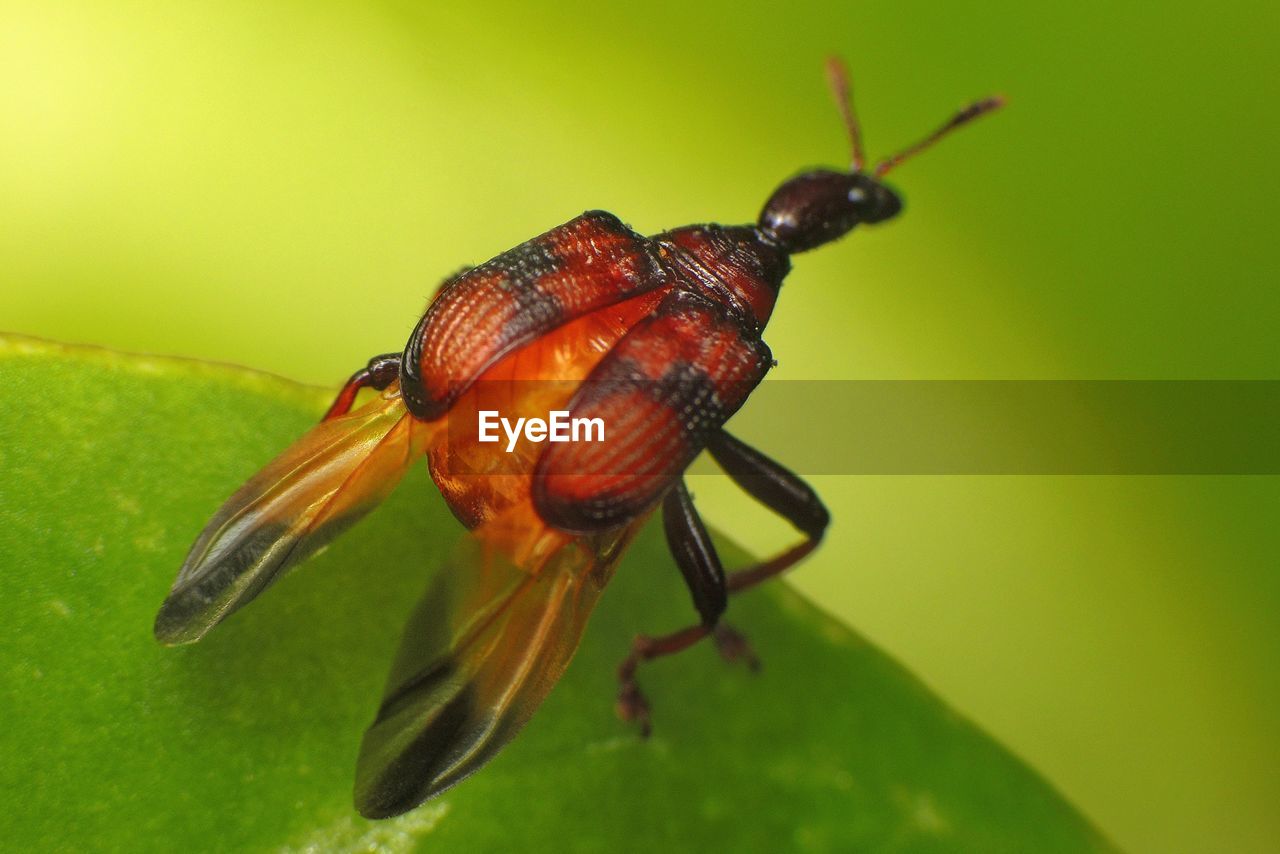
(695, 554)
(779, 489)
(786, 494)
(734, 647)
(378, 374)
(632, 706)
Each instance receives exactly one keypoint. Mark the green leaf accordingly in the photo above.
(112, 463)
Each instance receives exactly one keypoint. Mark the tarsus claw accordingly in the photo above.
(734, 647)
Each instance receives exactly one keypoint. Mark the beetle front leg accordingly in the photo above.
(378, 374)
(695, 554)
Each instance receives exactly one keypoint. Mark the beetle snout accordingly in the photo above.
(881, 203)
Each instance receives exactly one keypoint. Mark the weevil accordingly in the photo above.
(659, 340)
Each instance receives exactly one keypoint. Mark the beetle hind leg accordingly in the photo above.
(632, 705)
(773, 486)
(696, 557)
(734, 647)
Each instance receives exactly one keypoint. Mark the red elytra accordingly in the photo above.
(659, 339)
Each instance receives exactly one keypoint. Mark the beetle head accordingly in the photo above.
(822, 205)
(817, 207)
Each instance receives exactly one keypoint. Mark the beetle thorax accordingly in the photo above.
(732, 265)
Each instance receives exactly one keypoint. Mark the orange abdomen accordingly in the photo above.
(483, 483)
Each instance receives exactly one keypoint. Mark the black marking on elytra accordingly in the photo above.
(690, 392)
(528, 262)
(530, 309)
(534, 309)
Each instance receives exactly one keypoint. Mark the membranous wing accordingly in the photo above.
(301, 500)
(481, 652)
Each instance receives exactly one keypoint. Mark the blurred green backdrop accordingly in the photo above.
(282, 184)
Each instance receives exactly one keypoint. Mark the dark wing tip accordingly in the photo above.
(176, 622)
(214, 584)
(203, 598)
(381, 802)
(392, 776)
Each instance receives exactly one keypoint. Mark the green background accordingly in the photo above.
(281, 185)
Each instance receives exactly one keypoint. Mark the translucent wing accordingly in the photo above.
(302, 499)
(481, 652)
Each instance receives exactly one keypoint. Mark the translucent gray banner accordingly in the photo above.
(1045, 427)
(1018, 427)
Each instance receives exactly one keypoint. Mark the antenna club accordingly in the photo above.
(980, 107)
(963, 117)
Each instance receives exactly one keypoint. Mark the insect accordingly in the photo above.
(656, 338)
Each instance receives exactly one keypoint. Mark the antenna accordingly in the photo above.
(838, 78)
(968, 114)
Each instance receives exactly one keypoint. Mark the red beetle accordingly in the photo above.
(655, 339)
